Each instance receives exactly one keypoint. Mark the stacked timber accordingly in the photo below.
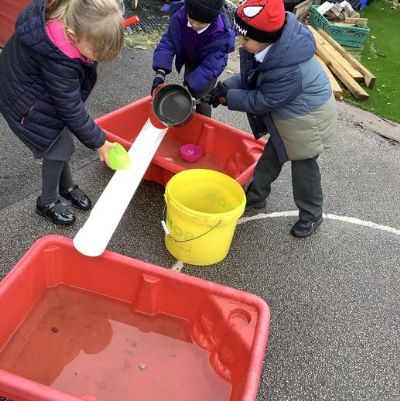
(341, 65)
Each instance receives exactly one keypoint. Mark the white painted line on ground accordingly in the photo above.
(370, 224)
(261, 216)
(178, 266)
(346, 219)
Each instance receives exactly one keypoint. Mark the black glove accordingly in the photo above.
(218, 95)
(159, 79)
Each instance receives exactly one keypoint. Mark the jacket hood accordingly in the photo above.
(31, 30)
(296, 45)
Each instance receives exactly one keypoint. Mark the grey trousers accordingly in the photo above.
(201, 108)
(306, 183)
(56, 171)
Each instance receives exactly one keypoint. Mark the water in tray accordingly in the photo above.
(169, 150)
(89, 345)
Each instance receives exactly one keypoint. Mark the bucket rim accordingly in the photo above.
(234, 213)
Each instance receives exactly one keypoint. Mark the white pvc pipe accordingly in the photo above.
(93, 237)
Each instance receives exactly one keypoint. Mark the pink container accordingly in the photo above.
(113, 328)
(191, 153)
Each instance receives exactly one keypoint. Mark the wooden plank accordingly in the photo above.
(360, 22)
(369, 78)
(343, 24)
(301, 10)
(355, 89)
(336, 89)
(355, 74)
(335, 66)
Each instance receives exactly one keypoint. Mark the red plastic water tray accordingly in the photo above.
(114, 328)
(226, 149)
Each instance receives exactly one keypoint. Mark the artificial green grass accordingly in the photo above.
(381, 55)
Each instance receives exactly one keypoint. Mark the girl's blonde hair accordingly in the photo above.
(97, 21)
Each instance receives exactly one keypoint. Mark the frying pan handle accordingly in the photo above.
(203, 99)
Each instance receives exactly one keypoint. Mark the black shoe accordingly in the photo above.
(255, 205)
(77, 197)
(304, 229)
(56, 212)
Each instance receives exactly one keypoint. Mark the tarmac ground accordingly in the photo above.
(334, 297)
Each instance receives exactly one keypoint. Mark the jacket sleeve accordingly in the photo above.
(270, 95)
(164, 54)
(234, 82)
(210, 68)
(63, 85)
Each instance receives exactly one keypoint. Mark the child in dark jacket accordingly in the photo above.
(199, 37)
(285, 92)
(47, 71)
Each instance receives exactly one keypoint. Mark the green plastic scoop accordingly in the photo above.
(118, 158)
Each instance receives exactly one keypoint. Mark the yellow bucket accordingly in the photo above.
(203, 207)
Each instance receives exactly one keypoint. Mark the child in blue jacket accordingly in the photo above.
(199, 37)
(285, 92)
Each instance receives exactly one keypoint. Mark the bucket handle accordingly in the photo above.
(164, 225)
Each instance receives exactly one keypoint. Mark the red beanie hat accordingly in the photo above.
(261, 20)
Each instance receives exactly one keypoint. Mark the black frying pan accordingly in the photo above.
(173, 105)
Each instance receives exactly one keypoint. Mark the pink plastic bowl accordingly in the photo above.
(191, 153)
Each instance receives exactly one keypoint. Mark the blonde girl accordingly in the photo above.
(47, 71)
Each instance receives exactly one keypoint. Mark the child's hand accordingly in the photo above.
(218, 95)
(159, 79)
(103, 151)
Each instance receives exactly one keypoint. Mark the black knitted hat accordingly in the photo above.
(204, 10)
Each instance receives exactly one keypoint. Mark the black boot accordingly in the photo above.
(305, 228)
(77, 197)
(56, 212)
